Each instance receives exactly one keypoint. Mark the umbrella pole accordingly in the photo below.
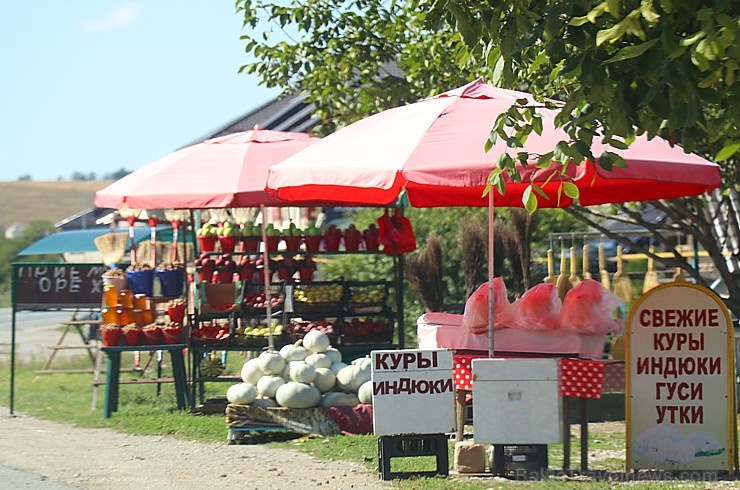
(491, 349)
(268, 278)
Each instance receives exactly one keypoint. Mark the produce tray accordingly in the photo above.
(259, 341)
(367, 298)
(328, 307)
(309, 421)
(318, 297)
(255, 292)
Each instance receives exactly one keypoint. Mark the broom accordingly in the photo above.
(550, 269)
(562, 283)
(586, 272)
(622, 287)
(651, 277)
(112, 247)
(603, 273)
(573, 279)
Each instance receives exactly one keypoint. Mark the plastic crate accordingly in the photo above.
(254, 296)
(520, 462)
(367, 298)
(366, 330)
(318, 298)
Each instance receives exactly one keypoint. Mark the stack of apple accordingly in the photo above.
(228, 236)
(317, 297)
(371, 236)
(257, 300)
(257, 335)
(352, 238)
(332, 238)
(219, 270)
(214, 333)
(309, 373)
(362, 330)
(312, 237)
(251, 235)
(298, 328)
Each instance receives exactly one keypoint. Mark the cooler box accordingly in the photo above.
(516, 401)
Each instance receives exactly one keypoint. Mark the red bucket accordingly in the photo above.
(133, 336)
(153, 336)
(111, 336)
(228, 243)
(207, 243)
(312, 242)
(174, 335)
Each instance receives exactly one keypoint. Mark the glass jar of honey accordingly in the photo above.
(110, 315)
(126, 298)
(140, 302)
(126, 316)
(110, 296)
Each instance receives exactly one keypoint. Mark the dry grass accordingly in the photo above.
(22, 202)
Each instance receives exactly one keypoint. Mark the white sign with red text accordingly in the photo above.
(680, 381)
(413, 392)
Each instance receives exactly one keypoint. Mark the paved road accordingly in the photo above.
(34, 332)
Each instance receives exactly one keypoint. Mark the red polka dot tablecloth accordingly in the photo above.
(463, 372)
(578, 378)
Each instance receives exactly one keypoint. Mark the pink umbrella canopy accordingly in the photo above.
(434, 149)
(228, 171)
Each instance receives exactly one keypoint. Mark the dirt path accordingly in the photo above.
(58, 456)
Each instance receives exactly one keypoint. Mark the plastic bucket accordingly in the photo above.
(111, 336)
(141, 282)
(207, 243)
(172, 281)
(228, 243)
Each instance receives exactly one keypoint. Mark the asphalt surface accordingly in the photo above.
(35, 331)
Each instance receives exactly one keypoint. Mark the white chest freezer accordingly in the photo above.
(516, 401)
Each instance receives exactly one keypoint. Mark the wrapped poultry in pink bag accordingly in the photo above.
(588, 309)
(475, 315)
(537, 309)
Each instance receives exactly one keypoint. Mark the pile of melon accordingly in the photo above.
(309, 373)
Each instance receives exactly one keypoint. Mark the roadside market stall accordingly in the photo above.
(235, 292)
(434, 152)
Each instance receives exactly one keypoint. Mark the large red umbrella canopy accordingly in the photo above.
(224, 172)
(434, 149)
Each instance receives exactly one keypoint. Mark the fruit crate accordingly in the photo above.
(213, 332)
(253, 333)
(519, 461)
(366, 330)
(318, 297)
(254, 298)
(367, 298)
(298, 328)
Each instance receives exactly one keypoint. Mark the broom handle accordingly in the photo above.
(550, 264)
(602, 259)
(585, 259)
(651, 262)
(619, 259)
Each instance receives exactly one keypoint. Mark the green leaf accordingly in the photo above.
(632, 51)
(727, 151)
(571, 190)
(537, 124)
(529, 200)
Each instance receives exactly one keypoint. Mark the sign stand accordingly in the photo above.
(73, 324)
(407, 383)
(410, 446)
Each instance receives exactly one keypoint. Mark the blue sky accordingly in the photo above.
(99, 86)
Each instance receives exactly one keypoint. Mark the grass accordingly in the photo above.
(66, 398)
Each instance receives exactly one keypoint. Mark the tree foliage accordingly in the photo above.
(621, 68)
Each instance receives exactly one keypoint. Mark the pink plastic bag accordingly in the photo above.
(475, 315)
(588, 309)
(537, 309)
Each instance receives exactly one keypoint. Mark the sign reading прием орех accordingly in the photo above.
(413, 392)
(62, 285)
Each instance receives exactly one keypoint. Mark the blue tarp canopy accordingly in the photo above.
(79, 241)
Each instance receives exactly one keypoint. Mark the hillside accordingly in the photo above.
(24, 201)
